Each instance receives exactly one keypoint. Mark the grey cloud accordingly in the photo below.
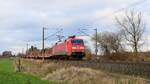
(22, 20)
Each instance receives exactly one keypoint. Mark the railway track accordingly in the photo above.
(136, 69)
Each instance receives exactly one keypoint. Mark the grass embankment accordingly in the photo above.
(9, 76)
(75, 75)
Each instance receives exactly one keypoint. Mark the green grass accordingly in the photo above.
(9, 76)
(6, 65)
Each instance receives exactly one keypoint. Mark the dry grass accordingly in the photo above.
(39, 68)
(74, 75)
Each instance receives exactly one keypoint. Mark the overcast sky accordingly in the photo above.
(21, 21)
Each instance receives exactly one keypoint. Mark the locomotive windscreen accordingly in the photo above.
(77, 41)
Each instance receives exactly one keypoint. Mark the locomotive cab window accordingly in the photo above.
(77, 42)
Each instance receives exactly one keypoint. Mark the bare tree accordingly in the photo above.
(115, 42)
(133, 27)
(109, 42)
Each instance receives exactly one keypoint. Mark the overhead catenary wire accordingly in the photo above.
(54, 34)
(114, 12)
(121, 9)
(82, 32)
(117, 11)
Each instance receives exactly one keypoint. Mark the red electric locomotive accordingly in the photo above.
(73, 47)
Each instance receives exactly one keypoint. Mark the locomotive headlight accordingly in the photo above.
(81, 47)
(74, 48)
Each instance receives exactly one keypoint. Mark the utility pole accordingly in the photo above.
(43, 42)
(96, 46)
(43, 35)
(27, 47)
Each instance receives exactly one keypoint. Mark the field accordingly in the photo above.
(9, 76)
(60, 72)
(66, 73)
